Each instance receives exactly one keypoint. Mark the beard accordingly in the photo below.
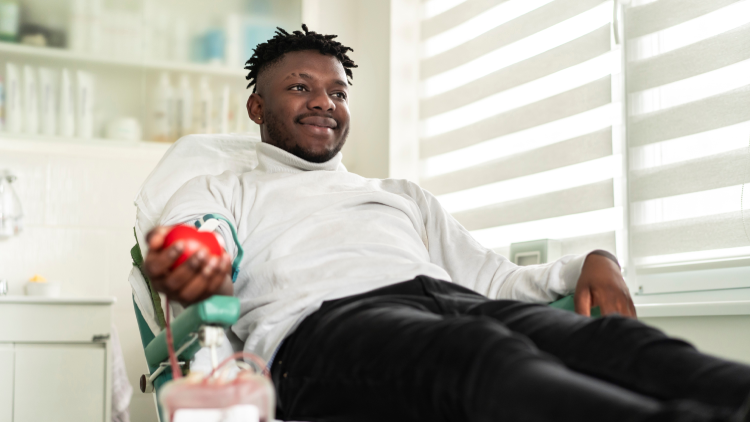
(281, 138)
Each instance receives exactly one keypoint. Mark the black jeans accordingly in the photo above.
(429, 350)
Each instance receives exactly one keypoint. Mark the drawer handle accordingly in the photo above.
(100, 337)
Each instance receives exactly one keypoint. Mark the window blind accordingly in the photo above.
(521, 122)
(688, 87)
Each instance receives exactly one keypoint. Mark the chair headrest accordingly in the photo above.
(189, 157)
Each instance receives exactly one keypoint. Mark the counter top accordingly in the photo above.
(57, 300)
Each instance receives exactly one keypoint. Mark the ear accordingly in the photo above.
(255, 108)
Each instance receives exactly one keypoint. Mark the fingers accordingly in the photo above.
(155, 238)
(213, 275)
(158, 262)
(198, 278)
(582, 301)
(614, 302)
(184, 273)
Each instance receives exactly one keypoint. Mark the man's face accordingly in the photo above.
(302, 104)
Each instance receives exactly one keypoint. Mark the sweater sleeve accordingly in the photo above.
(474, 266)
(205, 195)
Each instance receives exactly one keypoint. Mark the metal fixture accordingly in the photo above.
(11, 214)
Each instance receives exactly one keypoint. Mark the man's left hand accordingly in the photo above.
(601, 284)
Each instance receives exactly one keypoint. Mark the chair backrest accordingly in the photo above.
(191, 156)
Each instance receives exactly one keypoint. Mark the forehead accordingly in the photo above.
(309, 62)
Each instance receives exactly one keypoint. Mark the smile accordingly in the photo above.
(319, 123)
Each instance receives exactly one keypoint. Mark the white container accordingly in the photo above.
(46, 289)
(223, 110)
(84, 104)
(78, 33)
(13, 110)
(2, 103)
(30, 101)
(47, 101)
(94, 16)
(124, 129)
(184, 108)
(163, 117)
(67, 106)
(205, 105)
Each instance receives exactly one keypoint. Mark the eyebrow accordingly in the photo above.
(310, 77)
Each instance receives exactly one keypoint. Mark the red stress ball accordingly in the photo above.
(192, 240)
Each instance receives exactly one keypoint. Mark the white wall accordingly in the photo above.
(78, 201)
(384, 40)
(719, 335)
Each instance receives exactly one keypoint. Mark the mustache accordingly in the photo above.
(298, 118)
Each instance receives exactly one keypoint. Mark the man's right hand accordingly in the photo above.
(199, 277)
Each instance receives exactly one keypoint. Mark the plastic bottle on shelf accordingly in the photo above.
(84, 104)
(163, 117)
(181, 40)
(78, 34)
(47, 108)
(2, 104)
(204, 110)
(30, 101)
(94, 26)
(184, 107)
(67, 105)
(223, 110)
(13, 110)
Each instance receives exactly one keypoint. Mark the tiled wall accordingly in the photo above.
(78, 202)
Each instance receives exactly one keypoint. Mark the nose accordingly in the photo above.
(321, 101)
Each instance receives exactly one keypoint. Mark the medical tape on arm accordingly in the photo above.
(213, 220)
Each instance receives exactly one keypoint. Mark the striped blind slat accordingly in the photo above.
(504, 35)
(715, 171)
(714, 53)
(573, 151)
(695, 117)
(591, 197)
(458, 15)
(720, 231)
(663, 14)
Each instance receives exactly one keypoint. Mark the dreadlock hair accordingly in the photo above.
(270, 52)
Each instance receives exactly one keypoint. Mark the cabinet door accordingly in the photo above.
(59, 382)
(6, 382)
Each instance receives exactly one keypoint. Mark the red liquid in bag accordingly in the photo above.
(247, 390)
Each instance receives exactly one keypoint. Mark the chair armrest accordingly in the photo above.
(216, 310)
(568, 304)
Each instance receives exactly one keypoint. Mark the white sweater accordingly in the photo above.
(314, 232)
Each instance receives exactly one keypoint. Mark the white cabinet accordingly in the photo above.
(6, 382)
(55, 360)
(59, 382)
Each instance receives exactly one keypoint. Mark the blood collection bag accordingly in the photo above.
(248, 397)
(221, 396)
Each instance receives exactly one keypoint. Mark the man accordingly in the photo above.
(374, 304)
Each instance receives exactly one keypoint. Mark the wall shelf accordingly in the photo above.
(81, 147)
(59, 56)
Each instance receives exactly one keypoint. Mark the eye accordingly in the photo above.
(298, 88)
(340, 95)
